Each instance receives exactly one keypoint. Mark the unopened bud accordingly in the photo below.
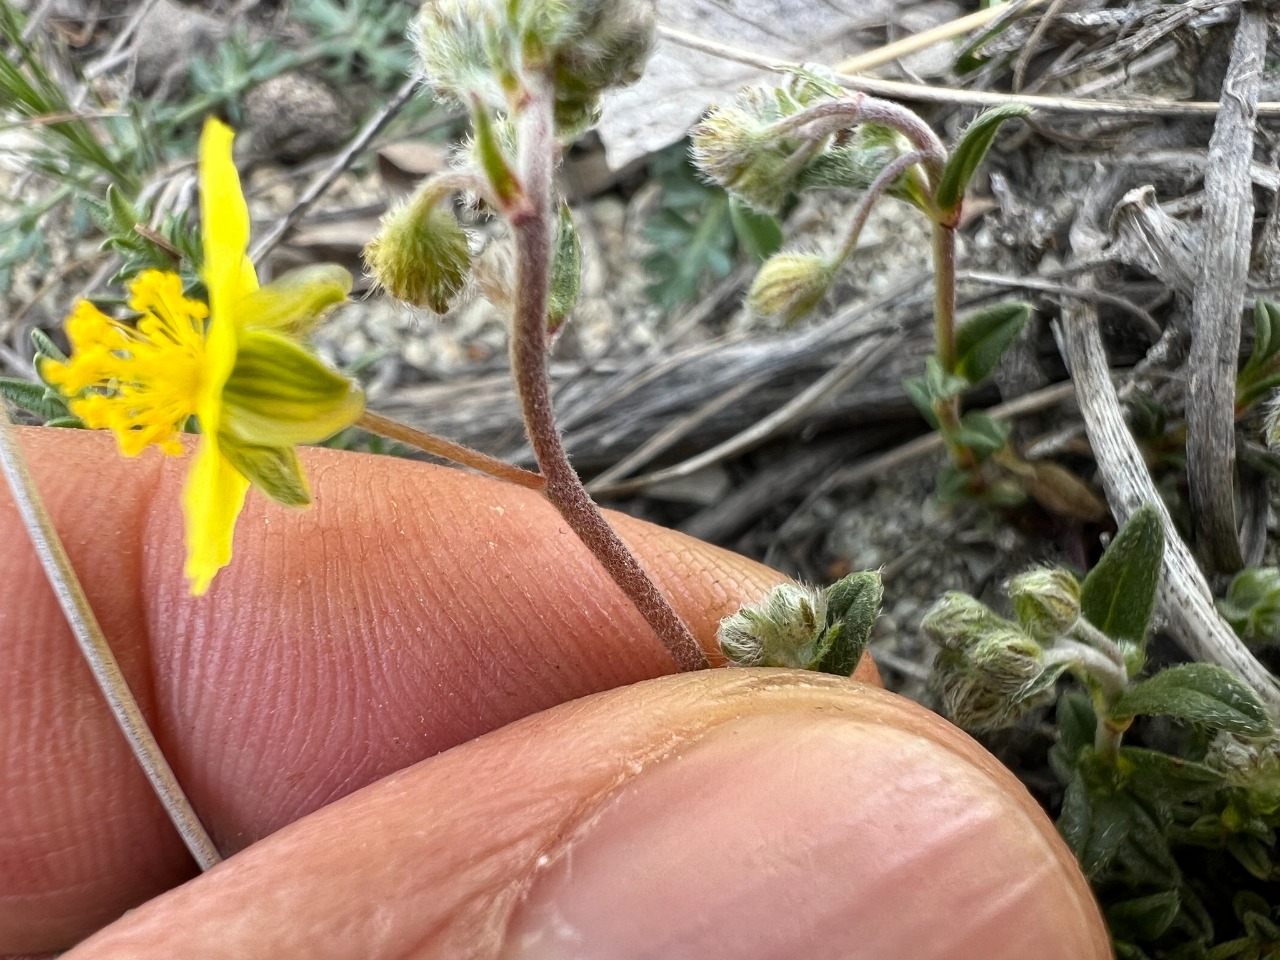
(730, 148)
(1047, 602)
(457, 42)
(958, 622)
(421, 254)
(786, 629)
(790, 285)
(995, 682)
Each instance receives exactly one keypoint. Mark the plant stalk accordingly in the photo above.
(533, 225)
(457, 452)
(97, 651)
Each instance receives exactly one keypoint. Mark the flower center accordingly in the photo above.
(141, 382)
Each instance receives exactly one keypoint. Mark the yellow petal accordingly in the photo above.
(224, 218)
(211, 501)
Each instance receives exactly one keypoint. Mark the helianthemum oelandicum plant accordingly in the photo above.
(236, 364)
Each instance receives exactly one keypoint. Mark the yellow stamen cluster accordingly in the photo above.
(141, 382)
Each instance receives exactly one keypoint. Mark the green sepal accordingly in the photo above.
(566, 272)
(1200, 693)
(853, 604)
(273, 470)
(279, 394)
(45, 402)
(982, 434)
(759, 235)
(968, 153)
(294, 302)
(982, 339)
(492, 159)
(1119, 594)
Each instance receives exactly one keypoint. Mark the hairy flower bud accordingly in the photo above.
(1047, 602)
(994, 682)
(790, 285)
(786, 629)
(958, 622)
(421, 254)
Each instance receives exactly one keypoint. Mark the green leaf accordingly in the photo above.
(33, 397)
(853, 604)
(566, 272)
(981, 434)
(1266, 328)
(1094, 824)
(1143, 918)
(1199, 693)
(45, 347)
(759, 234)
(982, 339)
(1119, 594)
(968, 153)
(917, 392)
(942, 385)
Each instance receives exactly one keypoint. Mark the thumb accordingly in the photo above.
(726, 814)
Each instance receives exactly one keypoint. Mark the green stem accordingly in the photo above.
(944, 298)
(533, 225)
(1107, 680)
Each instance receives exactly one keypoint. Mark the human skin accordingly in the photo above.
(410, 610)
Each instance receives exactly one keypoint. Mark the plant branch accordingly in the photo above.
(97, 652)
(883, 181)
(533, 224)
(449, 450)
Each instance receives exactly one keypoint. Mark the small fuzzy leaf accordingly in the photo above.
(981, 434)
(853, 604)
(942, 385)
(1266, 329)
(917, 392)
(982, 339)
(566, 272)
(45, 347)
(1199, 693)
(1119, 594)
(492, 159)
(759, 234)
(123, 213)
(33, 397)
(969, 151)
(1143, 918)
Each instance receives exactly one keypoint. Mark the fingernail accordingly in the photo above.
(802, 836)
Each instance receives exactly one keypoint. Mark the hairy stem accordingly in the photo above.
(883, 181)
(533, 226)
(1108, 680)
(458, 453)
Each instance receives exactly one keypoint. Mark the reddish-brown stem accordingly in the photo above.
(533, 226)
(440, 447)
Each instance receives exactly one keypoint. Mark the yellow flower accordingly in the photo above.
(235, 365)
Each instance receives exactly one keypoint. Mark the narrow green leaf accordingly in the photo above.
(759, 234)
(493, 160)
(566, 271)
(46, 347)
(123, 214)
(1199, 693)
(982, 339)
(1262, 329)
(1119, 594)
(917, 392)
(33, 397)
(969, 151)
(853, 604)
